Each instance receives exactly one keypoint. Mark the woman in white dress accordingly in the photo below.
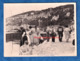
(34, 37)
(67, 34)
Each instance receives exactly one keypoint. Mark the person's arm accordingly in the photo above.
(62, 29)
(23, 34)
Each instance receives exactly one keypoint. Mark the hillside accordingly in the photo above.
(61, 15)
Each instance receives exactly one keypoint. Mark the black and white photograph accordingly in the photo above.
(40, 29)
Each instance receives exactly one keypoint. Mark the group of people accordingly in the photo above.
(32, 36)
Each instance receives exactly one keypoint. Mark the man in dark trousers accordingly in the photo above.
(24, 37)
(53, 36)
(48, 36)
(60, 33)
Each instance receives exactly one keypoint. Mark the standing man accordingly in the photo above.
(53, 36)
(23, 38)
(60, 33)
(22, 30)
(48, 35)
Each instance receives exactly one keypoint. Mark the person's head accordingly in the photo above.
(30, 27)
(21, 28)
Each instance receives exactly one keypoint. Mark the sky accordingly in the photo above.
(11, 9)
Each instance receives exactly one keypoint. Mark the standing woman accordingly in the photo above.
(34, 38)
(67, 33)
(72, 35)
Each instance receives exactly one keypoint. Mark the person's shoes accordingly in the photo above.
(53, 41)
(60, 41)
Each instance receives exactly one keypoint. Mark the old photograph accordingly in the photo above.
(40, 29)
